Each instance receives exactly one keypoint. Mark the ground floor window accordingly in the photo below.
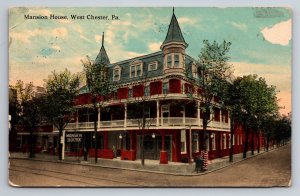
(195, 142)
(224, 141)
(183, 141)
(237, 140)
(207, 144)
(241, 140)
(213, 141)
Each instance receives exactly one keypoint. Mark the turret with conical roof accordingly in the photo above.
(174, 33)
(102, 56)
(173, 49)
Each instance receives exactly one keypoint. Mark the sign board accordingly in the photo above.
(73, 137)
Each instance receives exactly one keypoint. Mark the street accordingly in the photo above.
(265, 170)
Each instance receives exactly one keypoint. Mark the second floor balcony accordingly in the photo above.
(150, 123)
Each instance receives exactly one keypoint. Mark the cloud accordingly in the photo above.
(154, 46)
(279, 76)
(56, 47)
(186, 20)
(60, 32)
(98, 38)
(24, 36)
(240, 26)
(280, 33)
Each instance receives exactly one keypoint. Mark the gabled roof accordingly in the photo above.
(102, 56)
(174, 33)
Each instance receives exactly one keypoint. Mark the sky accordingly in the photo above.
(261, 39)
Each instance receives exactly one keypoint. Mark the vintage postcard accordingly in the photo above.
(150, 97)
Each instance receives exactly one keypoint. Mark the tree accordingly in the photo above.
(61, 89)
(142, 112)
(256, 101)
(28, 109)
(213, 71)
(99, 87)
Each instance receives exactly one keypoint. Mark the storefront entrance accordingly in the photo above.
(152, 147)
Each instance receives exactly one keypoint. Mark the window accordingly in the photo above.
(173, 61)
(146, 91)
(169, 61)
(147, 111)
(136, 70)
(237, 140)
(229, 141)
(194, 71)
(115, 96)
(195, 142)
(183, 141)
(213, 141)
(224, 141)
(116, 73)
(241, 140)
(176, 60)
(233, 139)
(152, 66)
(130, 93)
(132, 71)
(165, 88)
(207, 145)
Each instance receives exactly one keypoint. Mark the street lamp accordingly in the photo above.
(120, 136)
(153, 135)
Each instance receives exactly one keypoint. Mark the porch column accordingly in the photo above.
(125, 115)
(220, 118)
(190, 146)
(198, 113)
(163, 141)
(98, 117)
(62, 140)
(183, 115)
(229, 123)
(157, 113)
(131, 135)
(211, 119)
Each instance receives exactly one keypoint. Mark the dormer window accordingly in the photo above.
(136, 70)
(117, 73)
(152, 66)
(194, 71)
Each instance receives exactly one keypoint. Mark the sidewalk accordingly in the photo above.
(153, 166)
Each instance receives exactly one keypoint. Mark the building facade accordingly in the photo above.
(162, 82)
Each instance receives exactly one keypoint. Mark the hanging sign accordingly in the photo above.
(73, 137)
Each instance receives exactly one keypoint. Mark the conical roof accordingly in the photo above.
(102, 56)
(174, 33)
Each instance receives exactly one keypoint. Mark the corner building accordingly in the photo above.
(173, 129)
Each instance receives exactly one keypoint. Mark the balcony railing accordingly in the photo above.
(150, 122)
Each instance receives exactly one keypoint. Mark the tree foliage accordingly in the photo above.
(28, 110)
(99, 88)
(213, 73)
(61, 89)
(252, 101)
